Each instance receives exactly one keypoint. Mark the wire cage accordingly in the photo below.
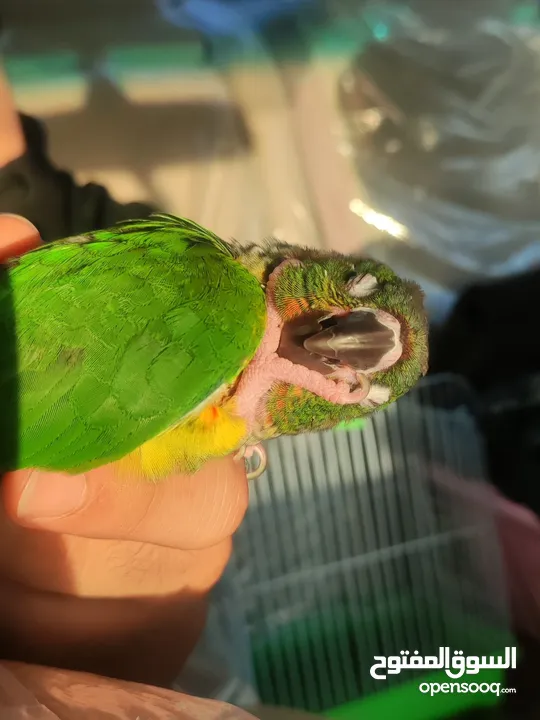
(358, 544)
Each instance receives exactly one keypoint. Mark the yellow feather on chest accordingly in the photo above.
(214, 432)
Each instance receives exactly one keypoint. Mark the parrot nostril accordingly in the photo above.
(328, 322)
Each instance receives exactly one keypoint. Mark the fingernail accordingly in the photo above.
(51, 495)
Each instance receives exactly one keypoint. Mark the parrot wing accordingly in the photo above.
(119, 335)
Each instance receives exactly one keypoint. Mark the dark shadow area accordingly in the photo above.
(178, 132)
(490, 340)
(31, 186)
(141, 640)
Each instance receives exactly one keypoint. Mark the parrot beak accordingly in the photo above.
(357, 340)
(342, 345)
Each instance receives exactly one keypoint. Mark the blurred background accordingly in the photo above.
(405, 130)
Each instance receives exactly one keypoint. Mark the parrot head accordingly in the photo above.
(344, 336)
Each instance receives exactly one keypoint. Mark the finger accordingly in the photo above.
(17, 236)
(183, 511)
(41, 692)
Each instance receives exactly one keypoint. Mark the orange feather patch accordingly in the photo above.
(293, 307)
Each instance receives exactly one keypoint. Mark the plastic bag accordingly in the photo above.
(442, 112)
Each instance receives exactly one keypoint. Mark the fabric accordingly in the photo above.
(34, 188)
(490, 340)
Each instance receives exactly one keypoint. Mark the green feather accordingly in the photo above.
(184, 231)
(118, 335)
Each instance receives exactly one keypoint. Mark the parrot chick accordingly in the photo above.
(157, 346)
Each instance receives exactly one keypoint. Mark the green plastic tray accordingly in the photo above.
(284, 656)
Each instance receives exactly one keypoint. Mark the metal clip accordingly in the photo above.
(247, 452)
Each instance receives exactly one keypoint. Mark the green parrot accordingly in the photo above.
(158, 346)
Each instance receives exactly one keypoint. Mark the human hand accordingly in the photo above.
(104, 576)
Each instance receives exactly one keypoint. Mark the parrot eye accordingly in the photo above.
(362, 285)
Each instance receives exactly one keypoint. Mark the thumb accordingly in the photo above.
(185, 512)
(17, 236)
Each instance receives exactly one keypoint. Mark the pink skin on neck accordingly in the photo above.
(268, 368)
